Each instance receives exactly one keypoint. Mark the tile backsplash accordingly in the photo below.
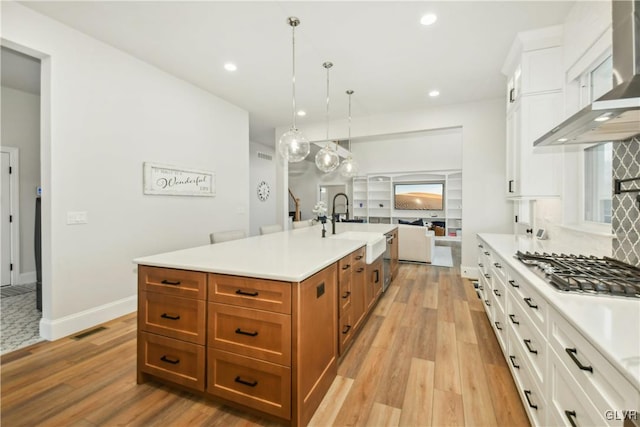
(626, 209)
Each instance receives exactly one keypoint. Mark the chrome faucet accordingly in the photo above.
(333, 211)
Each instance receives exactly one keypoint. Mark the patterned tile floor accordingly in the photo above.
(19, 318)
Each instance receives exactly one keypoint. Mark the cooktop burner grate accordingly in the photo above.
(591, 275)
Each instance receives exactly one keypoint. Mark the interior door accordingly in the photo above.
(5, 225)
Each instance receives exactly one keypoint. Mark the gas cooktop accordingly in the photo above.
(582, 274)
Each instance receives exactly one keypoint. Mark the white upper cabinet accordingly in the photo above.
(534, 104)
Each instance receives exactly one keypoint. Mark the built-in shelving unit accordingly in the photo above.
(372, 197)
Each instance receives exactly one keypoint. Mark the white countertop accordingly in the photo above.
(611, 324)
(290, 256)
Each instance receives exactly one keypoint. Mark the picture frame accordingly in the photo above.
(169, 180)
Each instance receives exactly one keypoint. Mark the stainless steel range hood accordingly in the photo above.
(615, 116)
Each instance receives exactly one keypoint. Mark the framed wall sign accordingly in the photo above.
(176, 181)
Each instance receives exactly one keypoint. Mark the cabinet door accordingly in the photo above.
(513, 151)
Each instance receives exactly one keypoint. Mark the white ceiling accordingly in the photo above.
(379, 49)
(20, 71)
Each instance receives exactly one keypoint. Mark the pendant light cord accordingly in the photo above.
(349, 92)
(327, 65)
(293, 79)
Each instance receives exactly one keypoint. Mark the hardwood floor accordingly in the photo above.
(427, 356)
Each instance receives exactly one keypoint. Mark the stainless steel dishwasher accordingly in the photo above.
(386, 263)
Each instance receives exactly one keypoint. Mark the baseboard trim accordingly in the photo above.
(26, 278)
(468, 272)
(59, 328)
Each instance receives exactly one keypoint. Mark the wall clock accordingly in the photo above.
(263, 191)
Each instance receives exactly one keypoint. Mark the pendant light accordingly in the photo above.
(293, 145)
(349, 167)
(327, 159)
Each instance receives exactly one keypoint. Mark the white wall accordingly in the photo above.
(261, 169)
(104, 113)
(21, 129)
(485, 208)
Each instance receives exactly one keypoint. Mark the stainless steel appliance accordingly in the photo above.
(588, 275)
(386, 261)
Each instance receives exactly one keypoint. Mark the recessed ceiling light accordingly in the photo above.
(230, 66)
(428, 19)
(302, 113)
(434, 93)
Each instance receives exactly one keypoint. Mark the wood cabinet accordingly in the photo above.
(393, 262)
(375, 278)
(534, 105)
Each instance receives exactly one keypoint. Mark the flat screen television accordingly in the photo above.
(422, 196)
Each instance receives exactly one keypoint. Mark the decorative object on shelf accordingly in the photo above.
(349, 167)
(263, 191)
(327, 159)
(170, 180)
(293, 145)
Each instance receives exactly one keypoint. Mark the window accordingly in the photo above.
(598, 187)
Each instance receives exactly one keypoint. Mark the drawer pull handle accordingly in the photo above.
(480, 246)
(514, 284)
(513, 363)
(527, 393)
(572, 352)
(358, 258)
(377, 274)
(487, 253)
(498, 326)
(249, 383)
(527, 344)
(249, 294)
(346, 266)
(251, 334)
(487, 302)
(171, 282)
(346, 329)
(497, 264)
(346, 295)
(481, 265)
(481, 287)
(528, 301)
(487, 275)
(570, 416)
(170, 360)
(170, 316)
(498, 294)
(360, 270)
(513, 320)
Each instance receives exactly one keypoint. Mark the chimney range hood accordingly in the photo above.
(615, 116)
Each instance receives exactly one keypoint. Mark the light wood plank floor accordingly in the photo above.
(427, 356)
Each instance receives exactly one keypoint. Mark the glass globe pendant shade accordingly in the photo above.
(293, 145)
(327, 159)
(349, 167)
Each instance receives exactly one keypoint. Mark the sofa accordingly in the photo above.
(416, 243)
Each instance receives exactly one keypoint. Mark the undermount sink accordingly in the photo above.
(376, 242)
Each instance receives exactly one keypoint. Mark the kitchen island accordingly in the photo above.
(258, 323)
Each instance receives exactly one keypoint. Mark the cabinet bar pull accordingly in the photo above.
(498, 326)
(570, 416)
(513, 320)
(358, 258)
(572, 352)
(346, 295)
(170, 316)
(497, 265)
(498, 294)
(346, 329)
(514, 284)
(480, 265)
(487, 275)
(346, 266)
(510, 186)
(249, 294)
(251, 334)
(513, 363)
(377, 273)
(527, 393)
(487, 253)
(170, 282)
(531, 350)
(249, 383)
(480, 246)
(528, 301)
(170, 360)
(487, 302)
(360, 270)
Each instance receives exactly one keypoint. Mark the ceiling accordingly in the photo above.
(379, 49)
(20, 71)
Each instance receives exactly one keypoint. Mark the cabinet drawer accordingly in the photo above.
(182, 283)
(359, 255)
(344, 295)
(604, 385)
(532, 303)
(175, 317)
(174, 360)
(254, 333)
(260, 385)
(532, 343)
(270, 295)
(345, 267)
(530, 393)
